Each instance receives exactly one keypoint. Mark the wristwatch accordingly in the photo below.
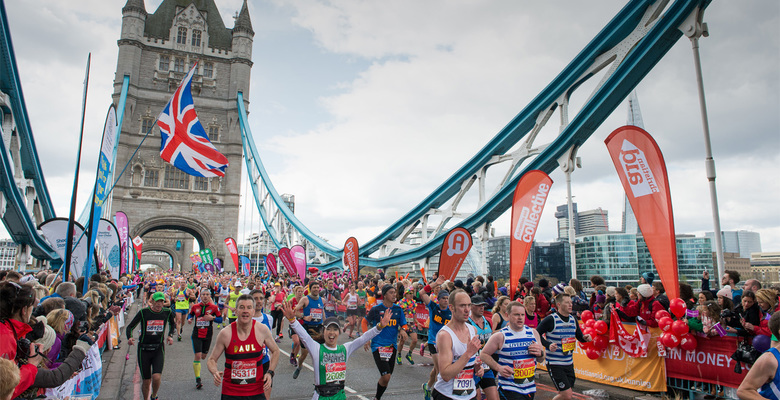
(271, 372)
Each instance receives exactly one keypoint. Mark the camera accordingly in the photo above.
(23, 349)
(84, 326)
(728, 314)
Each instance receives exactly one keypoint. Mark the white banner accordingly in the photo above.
(86, 384)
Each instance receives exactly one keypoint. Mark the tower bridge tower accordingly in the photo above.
(163, 204)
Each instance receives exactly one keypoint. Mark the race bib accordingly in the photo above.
(386, 352)
(243, 372)
(524, 370)
(361, 301)
(568, 344)
(181, 298)
(315, 314)
(201, 323)
(335, 372)
(155, 326)
(329, 306)
(463, 384)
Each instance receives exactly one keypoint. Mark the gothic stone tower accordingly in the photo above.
(163, 204)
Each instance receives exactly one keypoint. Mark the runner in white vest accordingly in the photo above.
(458, 344)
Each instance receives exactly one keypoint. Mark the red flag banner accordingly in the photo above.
(454, 250)
(233, 250)
(270, 264)
(527, 206)
(634, 344)
(287, 261)
(138, 244)
(351, 255)
(642, 171)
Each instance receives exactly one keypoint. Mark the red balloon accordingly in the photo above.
(592, 353)
(677, 307)
(662, 313)
(680, 327)
(600, 342)
(601, 327)
(589, 323)
(665, 323)
(587, 315)
(669, 339)
(586, 345)
(688, 342)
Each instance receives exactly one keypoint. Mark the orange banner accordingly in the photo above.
(616, 368)
(527, 206)
(642, 171)
(351, 257)
(454, 250)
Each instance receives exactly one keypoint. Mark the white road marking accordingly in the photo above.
(310, 368)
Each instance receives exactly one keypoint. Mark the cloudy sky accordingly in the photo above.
(361, 109)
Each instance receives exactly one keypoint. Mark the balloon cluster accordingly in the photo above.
(675, 333)
(597, 331)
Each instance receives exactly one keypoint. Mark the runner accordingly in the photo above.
(331, 298)
(330, 358)
(277, 300)
(384, 345)
(511, 352)
(458, 345)
(439, 314)
(559, 331)
(351, 299)
(151, 351)
(232, 298)
(223, 290)
(205, 314)
(362, 300)
(181, 294)
(477, 319)
(294, 298)
(265, 319)
(408, 304)
(310, 309)
(243, 343)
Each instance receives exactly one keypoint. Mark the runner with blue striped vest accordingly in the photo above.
(513, 352)
(561, 332)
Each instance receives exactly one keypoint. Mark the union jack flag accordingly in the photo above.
(185, 143)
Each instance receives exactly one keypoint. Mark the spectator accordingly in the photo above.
(622, 301)
(731, 278)
(577, 285)
(750, 315)
(751, 284)
(724, 298)
(51, 304)
(648, 278)
(660, 294)
(595, 282)
(542, 305)
(646, 304)
(705, 296)
(609, 304)
(544, 285)
(16, 306)
(10, 373)
(763, 379)
(686, 293)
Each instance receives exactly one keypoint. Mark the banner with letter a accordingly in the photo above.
(454, 250)
(298, 254)
(270, 264)
(527, 206)
(351, 257)
(642, 171)
(287, 261)
(233, 250)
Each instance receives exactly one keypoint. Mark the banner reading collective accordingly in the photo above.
(527, 206)
(350, 260)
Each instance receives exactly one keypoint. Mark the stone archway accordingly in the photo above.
(163, 233)
(198, 230)
(160, 262)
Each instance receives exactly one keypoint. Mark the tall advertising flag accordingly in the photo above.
(55, 231)
(642, 171)
(286, 258)
(351, 257)
(123, 226)
(206, 256)
(138, 244)
(454, 250)
(233, 250)
(298, 254)
(270, 264)
(244, 265)
(108, 247)
(527, 206)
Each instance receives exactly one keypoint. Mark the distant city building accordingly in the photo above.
(743, 242)
(562, 215)
(549, 260)
(498, 257)
(766, 267)
(593, 222)
(629, 224)
(734, 262)
(8, 249)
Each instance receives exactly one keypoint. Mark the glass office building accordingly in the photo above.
(610, 255)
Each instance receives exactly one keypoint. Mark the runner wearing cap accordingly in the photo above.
(385, 345)
(151, 352)
(328, 357)
(232, 298)
(487, 383)
(310, 308)
(439, 314)
(204, 314)
(514, 352)
(244, 343)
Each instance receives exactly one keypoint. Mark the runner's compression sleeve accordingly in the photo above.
(136, 320)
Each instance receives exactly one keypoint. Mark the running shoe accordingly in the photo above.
(422, 349)
(426, 392)
(293, 361)
(153, 398)
(296, 373)
(180, 338)
(198, 384)
(409, 358)
(398, 360)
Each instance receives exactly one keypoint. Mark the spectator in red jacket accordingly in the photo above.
(646, 305)
(16, 307)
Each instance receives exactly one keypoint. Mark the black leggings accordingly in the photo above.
(277, 315)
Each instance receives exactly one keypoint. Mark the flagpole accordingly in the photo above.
(72, 215)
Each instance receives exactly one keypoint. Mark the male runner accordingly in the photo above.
(385, 345)
(181, 294)
(458, 345)
(439, 315)
(511, 352)
(151, 352)
(310, 308)
(477, 319)
(204, 314)
(559, 331)
(232, 298)
(331, 298)
(243, 343)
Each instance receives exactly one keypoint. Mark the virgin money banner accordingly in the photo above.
(55, 232)
(351, 257)
(642, 171)
(138, 244)
(298, 254)
(123, 227)
(233, 250)
(527, 206)
(270, 264)
(454, 250)
(108, 247)
(287, 261)
(709, 362)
